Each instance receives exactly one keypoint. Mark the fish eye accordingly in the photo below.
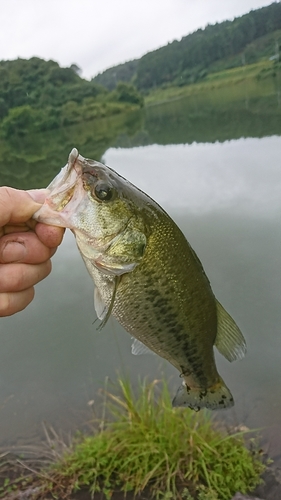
(103, 191)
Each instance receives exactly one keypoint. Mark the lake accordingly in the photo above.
(213, 162)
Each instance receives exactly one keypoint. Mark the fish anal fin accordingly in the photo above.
(214, 398)
(229, 340)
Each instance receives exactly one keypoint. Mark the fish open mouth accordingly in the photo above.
(65, 192)
(63, 185)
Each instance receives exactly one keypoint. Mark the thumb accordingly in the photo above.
(38, 195)
(16, 206)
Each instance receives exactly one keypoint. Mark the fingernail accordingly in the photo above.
(13, 251)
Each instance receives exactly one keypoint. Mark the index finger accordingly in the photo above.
(16, 206)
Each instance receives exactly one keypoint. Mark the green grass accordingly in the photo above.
(229, 78)
(175, 453)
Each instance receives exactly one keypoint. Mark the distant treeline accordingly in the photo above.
(40, 95)
(244, 40)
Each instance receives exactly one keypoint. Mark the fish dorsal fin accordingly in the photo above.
(229, 340)
(139, 348)
(100, 306)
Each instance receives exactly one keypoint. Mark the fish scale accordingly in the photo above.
(146, 275)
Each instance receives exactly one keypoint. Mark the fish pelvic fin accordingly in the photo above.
(229, 340)
(215, 397)
(104, 312)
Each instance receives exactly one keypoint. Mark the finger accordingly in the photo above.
(51, 236)
(15, 228)
(16, 206)
(17, 277)
(23, 247)
(38, 195)
(11, 303)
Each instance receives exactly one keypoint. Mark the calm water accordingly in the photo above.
(225, 196)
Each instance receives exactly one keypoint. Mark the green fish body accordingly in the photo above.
(146, 275)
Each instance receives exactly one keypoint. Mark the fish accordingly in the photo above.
(147, 276)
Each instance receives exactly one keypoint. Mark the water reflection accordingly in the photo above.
(238, 175)
(226, 199)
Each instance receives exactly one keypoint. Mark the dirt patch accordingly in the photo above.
(12, 468)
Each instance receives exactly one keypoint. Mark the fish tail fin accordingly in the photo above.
(214, 397)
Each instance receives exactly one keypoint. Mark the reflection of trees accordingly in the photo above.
(215, 117)
(33, 160)
(219, 115)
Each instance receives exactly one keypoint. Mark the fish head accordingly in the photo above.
(103, 211)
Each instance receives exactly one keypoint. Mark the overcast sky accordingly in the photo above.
(98, 34)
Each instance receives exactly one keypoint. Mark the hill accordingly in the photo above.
(40, 95)
(121, 73)
(224, 45)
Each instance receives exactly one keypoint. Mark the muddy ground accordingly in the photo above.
(11, 469)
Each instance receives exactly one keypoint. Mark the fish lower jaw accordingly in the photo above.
(48, 215)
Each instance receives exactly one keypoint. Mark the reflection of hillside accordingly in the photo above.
(186, 122)
(33, 161)
(220, 115)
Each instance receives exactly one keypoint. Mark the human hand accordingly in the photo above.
(25, 247)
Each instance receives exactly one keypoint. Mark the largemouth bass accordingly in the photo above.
(146, 275)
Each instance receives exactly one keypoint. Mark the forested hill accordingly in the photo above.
(224, 45)
(40, 95)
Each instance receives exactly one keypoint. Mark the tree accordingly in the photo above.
(76, 69)
(20, 121)
(126, 92)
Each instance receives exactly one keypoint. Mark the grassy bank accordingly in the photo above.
(238, 77)
(145, 444)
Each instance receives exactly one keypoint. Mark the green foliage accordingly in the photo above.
(175, 453)
(229, 44)
(120, 73)
(203, 48)
(40, 95)
(126, 92)
(20, 118)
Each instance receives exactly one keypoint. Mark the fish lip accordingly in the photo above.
(67, 190)
(73, 174)
(63, 193)
(62, 187)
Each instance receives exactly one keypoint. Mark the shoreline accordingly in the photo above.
(269, 489)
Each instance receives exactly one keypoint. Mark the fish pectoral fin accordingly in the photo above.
(139, 348)
(229, 340)
(100, 306)
(113, 268)
(108, 310)
(214, 397)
